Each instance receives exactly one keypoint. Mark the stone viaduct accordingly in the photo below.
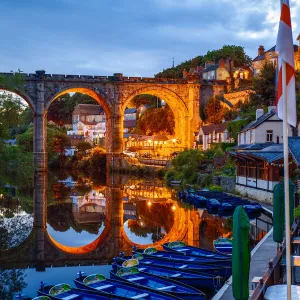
(113, 93)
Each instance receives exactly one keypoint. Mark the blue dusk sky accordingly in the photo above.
(133, 37)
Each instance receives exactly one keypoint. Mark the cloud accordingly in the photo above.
(136, 37)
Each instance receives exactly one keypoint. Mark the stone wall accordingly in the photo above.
(227, 183)
(255, 194)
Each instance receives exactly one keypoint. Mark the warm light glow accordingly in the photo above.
(156, 142)
(149, 141)
(173, 207)
(174, 140)
(149, 203)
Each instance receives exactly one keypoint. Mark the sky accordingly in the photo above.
(133, 37)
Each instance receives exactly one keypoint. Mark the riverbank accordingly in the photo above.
(261, 255)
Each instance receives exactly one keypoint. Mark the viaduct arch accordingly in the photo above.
(113, 93)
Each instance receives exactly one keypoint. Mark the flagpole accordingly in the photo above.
(286, 185)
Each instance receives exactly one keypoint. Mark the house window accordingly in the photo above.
(269, 135)
(220, 138)
(251, 136)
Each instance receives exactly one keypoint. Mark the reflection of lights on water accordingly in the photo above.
(149, 203)
(173, 207)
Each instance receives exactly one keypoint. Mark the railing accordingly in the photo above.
(154, 161)
(274, 274)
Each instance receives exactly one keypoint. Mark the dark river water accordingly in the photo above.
(65, 225)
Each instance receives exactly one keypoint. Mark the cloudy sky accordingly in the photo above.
(133, 37)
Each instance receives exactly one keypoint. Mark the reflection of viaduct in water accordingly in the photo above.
(40, 249)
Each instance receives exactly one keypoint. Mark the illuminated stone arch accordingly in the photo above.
(177, 105)
(23, 95)
(90, 91)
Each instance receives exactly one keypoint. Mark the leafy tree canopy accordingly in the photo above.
(177, 72)
(60, 111)
(235, 53)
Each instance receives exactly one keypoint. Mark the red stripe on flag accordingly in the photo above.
(279, 86)
(286, 15)
(290, 72)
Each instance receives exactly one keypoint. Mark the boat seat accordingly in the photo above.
(183, 266)
(142, 269)
(73, 296)
(191, 259)
(135, 278)
(159, 255)
(176, 275)
(182, 249)
(166, 287)
(140, 296)
(147, 262)
(102, 287)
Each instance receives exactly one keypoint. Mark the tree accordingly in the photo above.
(236, 54)
(59, 144)
(156, 121)
(11, 108)
(60, 111)
(82, 147)
(11, 282)
(177, 72)
(214, 111)
(264, 86)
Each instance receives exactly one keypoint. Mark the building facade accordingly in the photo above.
(210, 134)
(271, 56)
(266, 128)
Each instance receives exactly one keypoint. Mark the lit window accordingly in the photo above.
(269, 135)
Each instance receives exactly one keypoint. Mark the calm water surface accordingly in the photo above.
(79, 224)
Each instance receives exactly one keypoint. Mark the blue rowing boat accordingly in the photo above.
(201, 281)
(41, 298)
(151, 252)
(111, 287)
(64, 291)
(130, 274)
(181, 247)
(223, 245)
(221, 271)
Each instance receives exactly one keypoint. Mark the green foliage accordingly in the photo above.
(205, 180)
(156, 121)
(235, 127)
(297, 212)
(82, 147)
(177, 72)
(264, 86)
(16, 166)
(12, 282)
(13, 81)
(234, 53)
(186, 166)
(215, 188)
(60, 111)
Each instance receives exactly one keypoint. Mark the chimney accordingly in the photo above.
(271, 108)
(261, 50)
(259, 113)
(221, 63)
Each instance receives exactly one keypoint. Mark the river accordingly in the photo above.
(66, 224)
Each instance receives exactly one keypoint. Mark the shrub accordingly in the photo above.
(297, 212)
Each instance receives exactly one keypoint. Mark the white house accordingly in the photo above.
(266, 128)
(211, 133)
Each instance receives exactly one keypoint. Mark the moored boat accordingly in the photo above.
(65, 292)
(202, 281)
(216, 270)
(130, 274)
(151, 252)
(181, 247)
(98, 282)
(223, 245)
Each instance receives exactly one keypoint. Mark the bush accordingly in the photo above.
(215, 188)
(297, 212)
